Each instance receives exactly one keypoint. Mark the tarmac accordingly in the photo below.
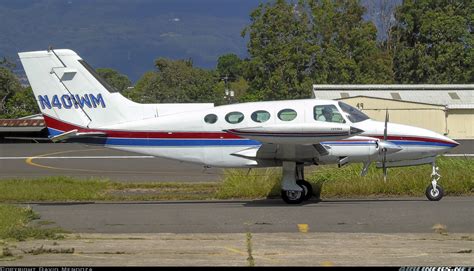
(385, 215)
(246, 249)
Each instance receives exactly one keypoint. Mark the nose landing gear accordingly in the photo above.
(434, 192)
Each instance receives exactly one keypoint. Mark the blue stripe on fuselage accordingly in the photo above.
(180, 142)
(238, 142)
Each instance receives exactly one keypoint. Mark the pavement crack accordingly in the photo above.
(250, 259)
(464, 251)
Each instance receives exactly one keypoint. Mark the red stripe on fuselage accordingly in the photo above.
(62, 126)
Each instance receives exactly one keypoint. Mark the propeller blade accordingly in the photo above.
(385, 136)
(384, 166)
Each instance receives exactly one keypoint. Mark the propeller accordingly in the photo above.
(384, 149)
(386, 146)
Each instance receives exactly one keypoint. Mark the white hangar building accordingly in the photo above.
(446, 109)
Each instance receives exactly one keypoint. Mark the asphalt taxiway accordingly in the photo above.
(82, 161)
(410, 215)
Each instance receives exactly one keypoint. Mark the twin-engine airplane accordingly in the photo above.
(79, 106)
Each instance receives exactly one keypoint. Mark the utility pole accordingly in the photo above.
(229, 94)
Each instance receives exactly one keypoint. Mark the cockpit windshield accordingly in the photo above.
(352, 113)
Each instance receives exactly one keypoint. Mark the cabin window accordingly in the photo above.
(260, 116)
(287, 114)
(211, 118)
(234, 117)
(327, 113)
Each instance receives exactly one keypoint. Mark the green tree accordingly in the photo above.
(349, 52)
(9, 85)
(295, 44)
(21, 104)
(280, 52)
(433, 41)
(117, 80)
(177, 81)
(229, 65)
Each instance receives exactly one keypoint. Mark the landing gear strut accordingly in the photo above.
(434, 192)
(294, 188)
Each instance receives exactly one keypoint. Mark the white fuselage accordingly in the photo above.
(187, 137)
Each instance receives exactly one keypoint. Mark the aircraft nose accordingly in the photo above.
(452, 143)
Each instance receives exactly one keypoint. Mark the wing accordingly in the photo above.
(292, 142)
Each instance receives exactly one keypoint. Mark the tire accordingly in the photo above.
(307, 188)
(433, 195)
(292, 197)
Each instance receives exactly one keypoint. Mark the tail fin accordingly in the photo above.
(68, 89)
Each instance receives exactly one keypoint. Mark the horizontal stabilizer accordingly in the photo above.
(75, 134)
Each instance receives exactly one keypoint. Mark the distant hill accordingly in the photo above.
(128, 35)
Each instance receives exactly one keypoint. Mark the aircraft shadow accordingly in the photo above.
(268, 202)
(314, 201)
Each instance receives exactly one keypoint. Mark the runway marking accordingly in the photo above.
(236, 251)
(29, 161)
(327, 263)
(303, 228)
(77, 157)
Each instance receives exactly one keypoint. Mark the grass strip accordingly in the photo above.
(457, 179)
(14, 224)
(331, 181)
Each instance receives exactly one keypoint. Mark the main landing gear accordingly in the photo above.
(294, 188)
(434, 192)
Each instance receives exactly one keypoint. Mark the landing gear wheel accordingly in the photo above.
(307, 188)
(434, 194)
(292, 197)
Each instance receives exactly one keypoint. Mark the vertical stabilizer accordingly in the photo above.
(66, 88)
